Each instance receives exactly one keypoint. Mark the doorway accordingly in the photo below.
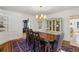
(74, 30)
(25, 25)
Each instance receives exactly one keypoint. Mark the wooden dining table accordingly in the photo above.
(47, 37)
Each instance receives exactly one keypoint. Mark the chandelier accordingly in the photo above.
(40, 17)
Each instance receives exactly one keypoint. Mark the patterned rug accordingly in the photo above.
(14, 46)
(20, 46)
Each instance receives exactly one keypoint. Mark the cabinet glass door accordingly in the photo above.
(53, 25)
(57, 25)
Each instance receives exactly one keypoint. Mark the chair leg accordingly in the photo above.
(48, 48)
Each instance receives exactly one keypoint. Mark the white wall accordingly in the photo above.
(65, 15)
(15, 25)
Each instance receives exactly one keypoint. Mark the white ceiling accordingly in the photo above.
(33, 10)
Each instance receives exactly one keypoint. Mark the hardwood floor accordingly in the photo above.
(69, 48)
(6, 47)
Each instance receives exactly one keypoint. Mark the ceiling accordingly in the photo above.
(33, 10)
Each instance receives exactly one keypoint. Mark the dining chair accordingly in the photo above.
(58, 42)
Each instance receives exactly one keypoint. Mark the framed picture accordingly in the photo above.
(3, 23)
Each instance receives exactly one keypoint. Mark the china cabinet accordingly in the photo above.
(55, 25)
